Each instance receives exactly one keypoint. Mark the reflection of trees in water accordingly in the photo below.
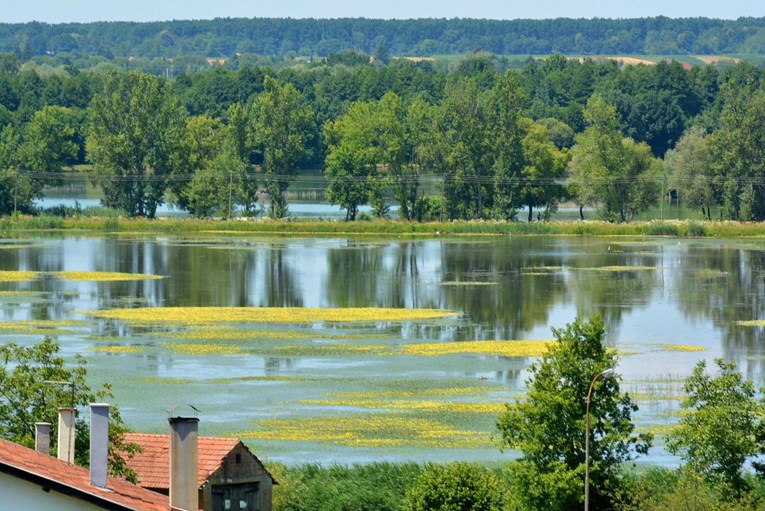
(726, 284)
(353, 276)
(612, 293)
(491, 284)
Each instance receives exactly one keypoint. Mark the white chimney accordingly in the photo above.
(184, 462)
(42, 437)
(66, 433)
(99, 443)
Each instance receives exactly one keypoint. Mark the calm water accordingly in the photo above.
(684, 292)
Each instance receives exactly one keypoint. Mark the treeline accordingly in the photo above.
(464, 143)
(224, 38)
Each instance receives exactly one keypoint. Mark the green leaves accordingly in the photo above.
(30, 393)
(723, 426)
(548, 425)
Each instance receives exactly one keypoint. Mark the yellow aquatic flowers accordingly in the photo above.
(206, 315)
(682, 347)
(494, 348)
(77, 276)
(17, 276)
(377, 430)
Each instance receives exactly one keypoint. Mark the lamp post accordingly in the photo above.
(604, 374)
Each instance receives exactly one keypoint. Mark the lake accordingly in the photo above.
(336, 389)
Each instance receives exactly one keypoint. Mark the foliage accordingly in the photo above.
(723, 427)
(659, 489)
(606, 169)
(135, 131)
(29, 396)
(690, 163)
(370, 487)
(281, 124)
(455, 487)
(548, 424)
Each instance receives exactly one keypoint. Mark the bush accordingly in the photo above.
(455, 487)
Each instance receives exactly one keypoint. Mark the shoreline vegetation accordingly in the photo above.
(669, 228)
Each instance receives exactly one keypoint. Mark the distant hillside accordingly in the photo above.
(421, 37)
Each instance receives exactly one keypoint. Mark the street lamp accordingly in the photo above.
(605, 374)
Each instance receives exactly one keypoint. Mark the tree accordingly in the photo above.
(723, 426)
(351, 163)
(738, 155)
(50, 140)
(508, 129)
(609, 170)
(691, 174)
(136, 129)
(455, 487)
(543, 173)
(30, 394)
(548, 425)
(203, 141)
(17, 190)
(281, 124)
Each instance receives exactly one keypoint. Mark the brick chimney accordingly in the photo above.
(99, 443)
(184, 463)
(66, 434)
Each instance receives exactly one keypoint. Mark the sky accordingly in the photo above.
(62, 11)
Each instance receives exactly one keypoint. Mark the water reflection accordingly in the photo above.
(651, 292)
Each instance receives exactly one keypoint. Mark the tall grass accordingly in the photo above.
(681, 228)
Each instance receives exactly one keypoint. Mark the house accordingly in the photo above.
(229, 475)
(33, 480)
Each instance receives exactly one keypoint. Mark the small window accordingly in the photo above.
(238, 458)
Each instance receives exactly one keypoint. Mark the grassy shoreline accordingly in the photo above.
(673, 228)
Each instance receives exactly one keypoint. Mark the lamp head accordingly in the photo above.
(608, 373)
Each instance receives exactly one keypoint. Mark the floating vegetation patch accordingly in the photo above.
(457, 283)
(168, 381)
(17, 276)
(614, 269)
(101, 276)
(710, 273)
(202, 349)
(376, 430)
(39, 327)
(682, 347)
(14, 246)
(21, 293)
(754, 322)
(331, 349)
(541, 269)
(210, 315)
(118, 349)
(450, 407)
(227, 381)
(432, 392)
(238, 334)
(496, 348)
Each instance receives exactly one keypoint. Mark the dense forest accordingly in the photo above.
(225, 38)
(406, 138)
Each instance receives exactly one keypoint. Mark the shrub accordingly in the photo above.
(455, 487)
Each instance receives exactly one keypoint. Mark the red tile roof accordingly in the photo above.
(152, 464)
(74, 480)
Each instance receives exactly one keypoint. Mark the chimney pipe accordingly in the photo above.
(66, 420)
(184, 462)
(99, 443)
(42, 437)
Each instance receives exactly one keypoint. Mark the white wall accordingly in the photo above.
(18, 494)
